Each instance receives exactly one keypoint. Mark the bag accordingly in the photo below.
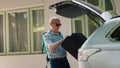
(73, 43)
(44, 49)
(43, 45)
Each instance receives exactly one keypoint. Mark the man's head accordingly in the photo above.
(55, 24)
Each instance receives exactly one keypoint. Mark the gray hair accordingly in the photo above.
(52, 18)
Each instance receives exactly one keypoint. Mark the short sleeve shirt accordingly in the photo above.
(49, 38)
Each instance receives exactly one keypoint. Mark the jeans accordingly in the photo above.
(56, 63)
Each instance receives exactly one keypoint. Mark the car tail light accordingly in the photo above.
(83, 55)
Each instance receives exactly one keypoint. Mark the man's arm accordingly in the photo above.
(55, 45)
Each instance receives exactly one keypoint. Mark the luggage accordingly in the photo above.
(73, 43)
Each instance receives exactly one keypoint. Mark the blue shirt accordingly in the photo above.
(49, 38)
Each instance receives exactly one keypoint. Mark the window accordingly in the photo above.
(94, 2)
(21, 31)
(116, 34)
(108, 5)
(78, 25)
(18, 31)
(92, 26)
(93, 23)
(2, 34)
(37, 19)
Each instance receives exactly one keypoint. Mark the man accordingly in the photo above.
(53, 39)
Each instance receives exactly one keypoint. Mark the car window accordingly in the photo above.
(116, 34)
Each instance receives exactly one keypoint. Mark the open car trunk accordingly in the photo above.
(74, 8)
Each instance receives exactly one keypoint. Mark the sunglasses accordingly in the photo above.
(57, 24)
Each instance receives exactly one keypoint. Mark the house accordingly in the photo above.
(22, 23)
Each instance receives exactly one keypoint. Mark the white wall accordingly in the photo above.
(117, 5)
(14, 4)
(34, 60)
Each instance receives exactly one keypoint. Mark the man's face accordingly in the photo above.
(55, 24)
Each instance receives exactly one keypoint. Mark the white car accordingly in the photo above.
(102, 48)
